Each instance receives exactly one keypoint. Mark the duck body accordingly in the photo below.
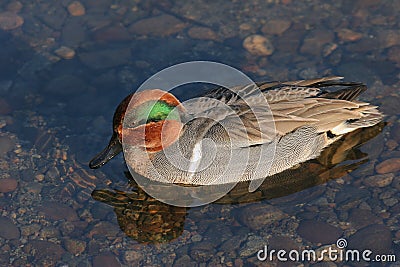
(232, 135)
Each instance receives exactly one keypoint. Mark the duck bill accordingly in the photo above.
(114, 148)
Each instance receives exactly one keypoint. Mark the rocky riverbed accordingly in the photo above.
(65, 65)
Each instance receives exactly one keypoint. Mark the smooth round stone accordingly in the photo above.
(202, 33)
(319, 232)
(30, 229)
(391, 144)
(6, 145)
(258, 45)
(348, 35)
(14, 6)
(106, 260)
(376, 238)
(201, 251)
(65, 52)
(379, 180)
(48, 232)
(256, 216)
(46, 251)
(251, 246)
(76, 9)
(105, 229)
(276, 26)
(75, 246)
(282, 242)
(4, 107)
(8, 229)
(133, 257)
(314, 42)
(388, 166)
(10, 21)
(360, 218)
(388, 38)
(8, 185)
(394, 54)
(107, 58)
(163, 25)
(184, 261)
(58, 211)
(113, 33)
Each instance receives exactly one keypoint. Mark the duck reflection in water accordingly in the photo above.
(148, 220)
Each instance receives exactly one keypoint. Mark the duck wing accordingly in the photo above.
(334, 112)
(257, 114)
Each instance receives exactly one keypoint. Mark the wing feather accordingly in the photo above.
(291, 105)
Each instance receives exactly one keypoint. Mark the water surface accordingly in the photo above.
(56, 107)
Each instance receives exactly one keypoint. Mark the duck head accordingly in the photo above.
(152, 123)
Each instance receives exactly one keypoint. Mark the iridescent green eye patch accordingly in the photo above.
(155, 111)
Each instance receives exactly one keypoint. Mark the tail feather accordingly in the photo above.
(349, 93)
(371, 116)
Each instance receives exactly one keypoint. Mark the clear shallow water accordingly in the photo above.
(56, 114)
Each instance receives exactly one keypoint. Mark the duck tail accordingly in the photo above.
(370, 116)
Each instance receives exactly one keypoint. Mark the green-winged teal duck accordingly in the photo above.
(307, 117)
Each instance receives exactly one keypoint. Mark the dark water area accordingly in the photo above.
(66, 65)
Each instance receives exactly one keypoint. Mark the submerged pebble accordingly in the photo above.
(133, 257)
(106, 260)
(58, 211)
(184, 261)
(201, 251)
(163, 25)
(65, 52)
(394, 54)
(360, 218)
(276, 26)
(258, 45)
(105, 229)
(315, 41)
(376, 238)
(48, 232)
(388, 38)
(4, 107)
(46, 252)
(251, 247)
(74, 246)
(6, 145)
(348, 35)
(92, 233)
(319, 232)
(388, 166)
(76, 9)
(113, 33)
(14, 6)
(8, 185)
(107, 58)
(259, 215)
(30, 229)
(380, 180)
(8, 229)
(10, 21)
(203, 33)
